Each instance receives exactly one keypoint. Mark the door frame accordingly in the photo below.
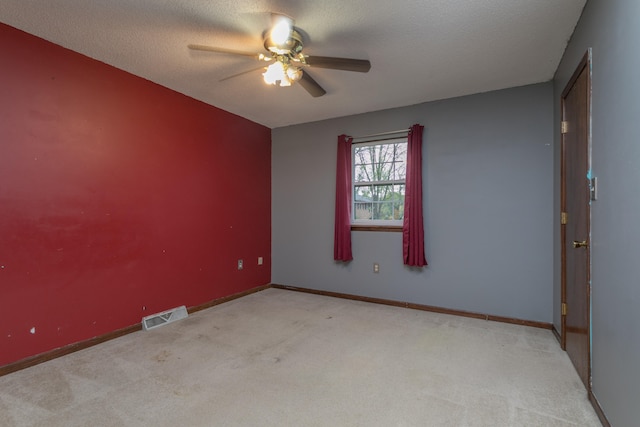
(585, 63)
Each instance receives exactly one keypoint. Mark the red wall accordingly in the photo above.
(119, 198)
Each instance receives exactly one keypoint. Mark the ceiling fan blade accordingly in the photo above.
(241, 73)
(346, 64)
(223, 50)
(311, 86)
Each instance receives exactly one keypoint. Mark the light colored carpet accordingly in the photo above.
(283, 358)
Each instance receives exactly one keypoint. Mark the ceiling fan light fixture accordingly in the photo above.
(281, 30)
(276, 73)
(294, 73)
(281, 73)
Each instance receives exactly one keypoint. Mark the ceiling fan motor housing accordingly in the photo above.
(292, 46)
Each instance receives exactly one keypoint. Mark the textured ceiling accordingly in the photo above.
(420, 50)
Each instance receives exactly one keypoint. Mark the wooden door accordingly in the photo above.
(575, 199)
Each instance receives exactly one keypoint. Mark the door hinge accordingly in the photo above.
(563, 218)
(564, 127)
(564, 308)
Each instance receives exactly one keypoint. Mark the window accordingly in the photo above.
(379, 172)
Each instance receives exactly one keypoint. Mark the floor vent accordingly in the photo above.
(159, 319)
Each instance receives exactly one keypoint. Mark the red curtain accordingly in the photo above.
(342, 236)
(413, 225)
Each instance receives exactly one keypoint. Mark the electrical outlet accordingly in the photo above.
(239, 264)
(260, 260)
(376, 267)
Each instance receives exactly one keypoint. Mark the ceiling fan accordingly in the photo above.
(284, 44)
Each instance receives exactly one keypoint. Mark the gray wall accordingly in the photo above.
(488, 204)
(611, 28)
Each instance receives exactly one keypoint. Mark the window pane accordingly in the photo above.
(398, 201)
(363, 173)
(363, 210)
(383, 210)
(384, 171)
(364, 155)
(399, 171)
(383, 162)
(398, 207)
(381, 192)
(363, 193)
(401, 159)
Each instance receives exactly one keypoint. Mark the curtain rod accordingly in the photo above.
(374, 135)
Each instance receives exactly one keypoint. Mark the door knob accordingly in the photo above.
(577, 244)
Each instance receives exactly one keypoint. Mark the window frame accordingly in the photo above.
(375, 224)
